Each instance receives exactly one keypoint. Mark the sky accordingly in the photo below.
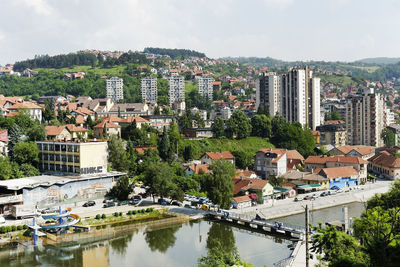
(331, 30)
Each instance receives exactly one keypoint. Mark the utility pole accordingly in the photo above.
(307, 252)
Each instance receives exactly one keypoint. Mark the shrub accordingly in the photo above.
(20, 227)
(98, 217)
(25, 226)
(13, 228)
(129, 213)
(116, 214)
(27, 233)
(2, 229)
(103, 216)
(120, 214)
(134, 212)
(8, 229)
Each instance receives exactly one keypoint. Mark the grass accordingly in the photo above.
(249, 145)
(111, 219)
(369, 69)
(340, 80)
(116, 70)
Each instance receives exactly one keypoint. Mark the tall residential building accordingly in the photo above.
(268, 92)
(205, 86)
(115, 89)
(365, 118)
(300, 97)
(176, 89)
(149, 89)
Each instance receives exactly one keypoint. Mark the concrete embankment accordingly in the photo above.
(288, 207)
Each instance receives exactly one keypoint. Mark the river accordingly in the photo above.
(176, 245)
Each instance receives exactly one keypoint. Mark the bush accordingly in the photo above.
(25, 226)
(116, 214)
(103, 216)
(120, 214)
(20, 227)
(134, 212)
(148, 210)
(8, 229)
(98, 217)
(27, 233)
(129, 213)
(13, 228)
(2, 229)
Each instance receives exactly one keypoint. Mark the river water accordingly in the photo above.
(176, 245)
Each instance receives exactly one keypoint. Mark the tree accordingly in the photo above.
(261, 126)
(243, 160)
(5, 168)
(388, 137)
(164, 146)
(219, 185)
(49, 113)
(277, 123)
(158, 177)
(239, 125)
(28, 170)
(188, 152)
(218, 127)
(26, 152)
(174, 137)
(117, 156)
(161, 239)
(122, 189)
(199, 120)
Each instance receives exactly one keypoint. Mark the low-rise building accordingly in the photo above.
(364, 152)
(34, 111)
(333, 133)
(57, 133)
(208, 157)
(73, 158)
(340, 177)
(196, 169)
(385, 165)
(198, 133)
(270, 162)
(106, 128)
(242, 202)
(248, 186)
(300, 179)
(4, 142)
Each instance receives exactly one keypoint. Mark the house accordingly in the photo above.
(208, 157)
(315, 162)
(106, 127)
(57, 133)
(245, 174)
(34, 111)
(270, 162)
(77, 132)
(340, 176)
(385, 165)
(198, 133)
(364, 152)
(248, 186)
(242, 202)
(196, 169)
(305, 178)
(159, 121)
(293, 159)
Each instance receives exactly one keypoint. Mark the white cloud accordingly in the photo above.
(39, 6)
(278, 3)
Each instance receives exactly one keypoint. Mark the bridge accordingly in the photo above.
(270, 226)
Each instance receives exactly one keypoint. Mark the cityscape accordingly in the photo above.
(154, 153)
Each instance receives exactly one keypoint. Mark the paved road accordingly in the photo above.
(286, 207)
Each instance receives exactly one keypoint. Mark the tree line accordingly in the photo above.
(173, 53)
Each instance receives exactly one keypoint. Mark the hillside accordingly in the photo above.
(379, 60)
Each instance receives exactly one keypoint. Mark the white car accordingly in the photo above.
(2, 220)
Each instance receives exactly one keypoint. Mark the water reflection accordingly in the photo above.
(120, 244)
(161, 239)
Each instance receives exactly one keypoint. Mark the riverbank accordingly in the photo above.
(287, 207)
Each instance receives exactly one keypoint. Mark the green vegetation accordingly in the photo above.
(343, 81)
(173, 53)
(249, 145)
(133, 215)
(388, 137)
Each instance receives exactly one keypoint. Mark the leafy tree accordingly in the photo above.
(388, 137)
(261, 126)
(188, 152)
(199, 120)
(275, 181)
(26, 153)
(49, 113)
(6, 171)
(28, 170)
(218, 127)
(219, 185)
(174, 136)
(158, 176)
(164, 145)
(239, 125)
(243, 160)
(117, 156)
(277, 123)
(122, 189)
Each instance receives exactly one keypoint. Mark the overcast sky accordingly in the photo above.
(285, 29)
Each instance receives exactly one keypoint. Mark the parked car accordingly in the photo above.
(50, 210)
(339, 191)
(176, 203)
(109, 204)
(162, 202)
(297, 199)
(122, 203)
(135, 200)
(314, 195)
(89, 204)
(335, 188)
(308, 197)
(2, 220)
(323, 194)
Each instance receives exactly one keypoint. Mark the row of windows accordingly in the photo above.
(59, 147)
(59, 168)
(63, 158)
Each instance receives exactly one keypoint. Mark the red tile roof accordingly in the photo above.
(197, 167)
(54, 130)
(220, 155)
(24, 105)
(241, 199)
(385, 159)
(336, 172)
